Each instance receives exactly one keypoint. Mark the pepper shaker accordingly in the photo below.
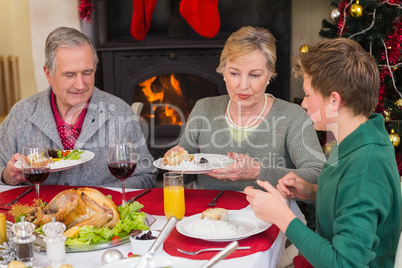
(24, 241)
(55, 248)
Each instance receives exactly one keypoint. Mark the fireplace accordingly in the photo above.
(173, 67)
(169, 98)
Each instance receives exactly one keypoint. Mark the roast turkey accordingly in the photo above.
(79, 207)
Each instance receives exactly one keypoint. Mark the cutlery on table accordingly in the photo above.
(207, 249)
(149, 219)
(213, 202)
(158, 242)
(138, 196)
(19, 197)
(222, 254)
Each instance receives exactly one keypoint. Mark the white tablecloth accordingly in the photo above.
(93, 259)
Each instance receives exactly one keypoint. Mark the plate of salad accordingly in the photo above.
(89, 238)
(65, 159)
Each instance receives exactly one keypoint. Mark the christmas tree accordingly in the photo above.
(377, 26)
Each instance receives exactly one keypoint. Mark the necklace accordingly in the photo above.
(253, 123)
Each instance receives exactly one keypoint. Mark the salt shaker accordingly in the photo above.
(55, 248)
(23, 239)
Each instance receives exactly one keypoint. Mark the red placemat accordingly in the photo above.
(301, 262)
(196, 200)
(46, 192)
(259, 242)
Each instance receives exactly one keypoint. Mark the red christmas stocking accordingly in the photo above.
(202, 15)
(141, 19)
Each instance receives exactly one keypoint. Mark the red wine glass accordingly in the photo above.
(35, 164)
(122, 161)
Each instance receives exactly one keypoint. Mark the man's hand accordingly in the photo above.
(244, 168)
(11, 174)
(293, 186)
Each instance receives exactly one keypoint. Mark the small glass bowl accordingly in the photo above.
(141, 247)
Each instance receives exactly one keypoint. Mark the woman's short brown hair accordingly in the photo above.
(246, 41)
(341, 65)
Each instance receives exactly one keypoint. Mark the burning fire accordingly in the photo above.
(149, 94)
(166, 90)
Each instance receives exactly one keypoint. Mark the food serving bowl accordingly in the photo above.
(141, 247)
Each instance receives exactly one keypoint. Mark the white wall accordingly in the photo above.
(15, 35)
(25, 25)
(47, 15)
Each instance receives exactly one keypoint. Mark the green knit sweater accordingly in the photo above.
(285, 141)
(358, 204)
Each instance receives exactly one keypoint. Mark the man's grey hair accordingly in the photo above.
(65, 37)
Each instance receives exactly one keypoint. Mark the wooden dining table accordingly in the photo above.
(267, 246)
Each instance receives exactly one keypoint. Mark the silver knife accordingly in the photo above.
(18, 197)
(138, 196)
(158, 242)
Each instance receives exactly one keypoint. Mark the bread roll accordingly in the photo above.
(16, 264)
(216, 214)
(35, 160)
(175, 157)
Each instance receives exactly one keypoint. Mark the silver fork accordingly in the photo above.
(206, 249)
(213, 202)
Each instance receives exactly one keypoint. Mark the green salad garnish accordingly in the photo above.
(73, 155)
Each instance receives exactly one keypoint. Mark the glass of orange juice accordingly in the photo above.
(173, 195)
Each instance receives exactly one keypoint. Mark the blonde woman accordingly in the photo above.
(267, 136)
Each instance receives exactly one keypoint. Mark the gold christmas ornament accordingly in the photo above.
(387, 115)
(399, 102)
(334, 15)
(304, 49)
(356, 10)
(394, 137)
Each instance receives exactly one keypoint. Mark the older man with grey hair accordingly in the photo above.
(73, 114)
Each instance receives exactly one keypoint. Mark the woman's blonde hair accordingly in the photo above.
(246, 41)
(343, 66)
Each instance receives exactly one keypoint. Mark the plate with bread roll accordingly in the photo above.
(221, 225)
(59, 163)
(183, 162)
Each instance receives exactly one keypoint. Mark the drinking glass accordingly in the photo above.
(173, 195)
(122, 161)
(35, 164)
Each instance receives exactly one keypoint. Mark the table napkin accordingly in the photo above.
(196, 200)
(258, 242)
(47, 192)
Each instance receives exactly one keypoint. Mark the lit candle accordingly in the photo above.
(3, 229)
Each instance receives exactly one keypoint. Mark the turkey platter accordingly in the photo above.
(78, 207)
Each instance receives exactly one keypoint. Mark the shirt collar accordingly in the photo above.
(59, 121)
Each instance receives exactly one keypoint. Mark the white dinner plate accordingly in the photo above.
(66, 164)
(157, 261)
(250, 223)
(215, 161)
